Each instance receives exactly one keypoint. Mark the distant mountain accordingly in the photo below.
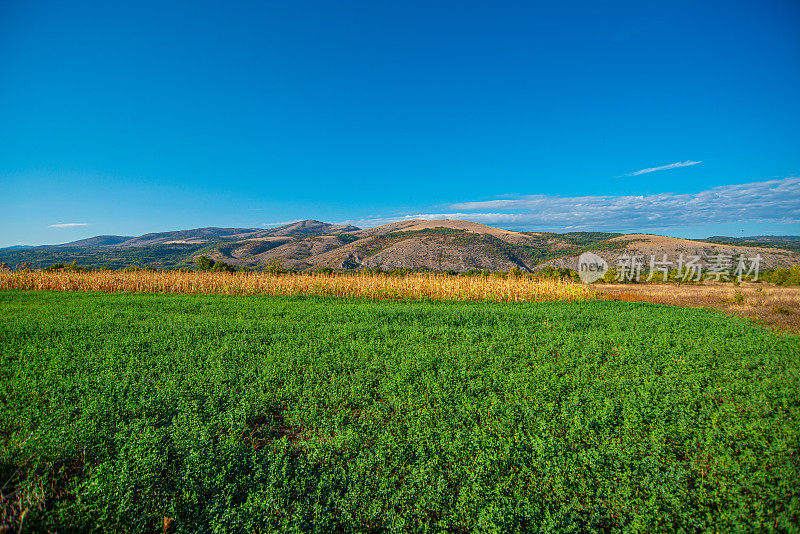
(98, 241)
(648, 246)
(187, 237)
(447, 245)
(165, 249)
(208, 235)
(786, 242)
(309, 227)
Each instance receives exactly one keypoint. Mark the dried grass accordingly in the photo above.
(775, 306)
(363, 285)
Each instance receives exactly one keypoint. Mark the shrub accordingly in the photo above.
(274, 266)
(204, 263)
(783, 276)
(610, 276)
(72, 267)
(221, 266)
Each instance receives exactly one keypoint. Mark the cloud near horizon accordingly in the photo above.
(773, 201)
(68, 225)
(664, 167)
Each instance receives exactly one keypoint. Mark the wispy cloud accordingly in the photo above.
(68, 225)
(664, 167)
(773, 201)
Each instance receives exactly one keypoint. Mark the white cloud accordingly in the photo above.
(665, 167)
(773, 201)
(68, 225)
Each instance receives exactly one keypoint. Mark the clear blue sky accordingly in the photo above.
(133, 117)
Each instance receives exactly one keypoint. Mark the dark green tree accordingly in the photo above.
(204, 263)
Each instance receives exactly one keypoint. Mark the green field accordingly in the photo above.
(248, 414)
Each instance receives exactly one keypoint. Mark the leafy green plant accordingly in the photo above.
(254, 414)
(204, 263)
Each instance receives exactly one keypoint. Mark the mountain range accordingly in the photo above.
(446, 245)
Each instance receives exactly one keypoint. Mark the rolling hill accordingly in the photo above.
(100, 240)
(648, 245)
(445, 245)
(786, 242)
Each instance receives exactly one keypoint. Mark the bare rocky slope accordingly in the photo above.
(452, 245)
(445, 245)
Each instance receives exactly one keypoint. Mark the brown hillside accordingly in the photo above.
(647, 244)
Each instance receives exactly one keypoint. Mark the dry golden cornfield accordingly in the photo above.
(364, 285)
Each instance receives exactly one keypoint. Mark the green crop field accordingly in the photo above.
(251, 414)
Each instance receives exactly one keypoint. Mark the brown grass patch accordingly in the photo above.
(774, 306)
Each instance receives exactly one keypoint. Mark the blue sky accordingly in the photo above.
(127, 118)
